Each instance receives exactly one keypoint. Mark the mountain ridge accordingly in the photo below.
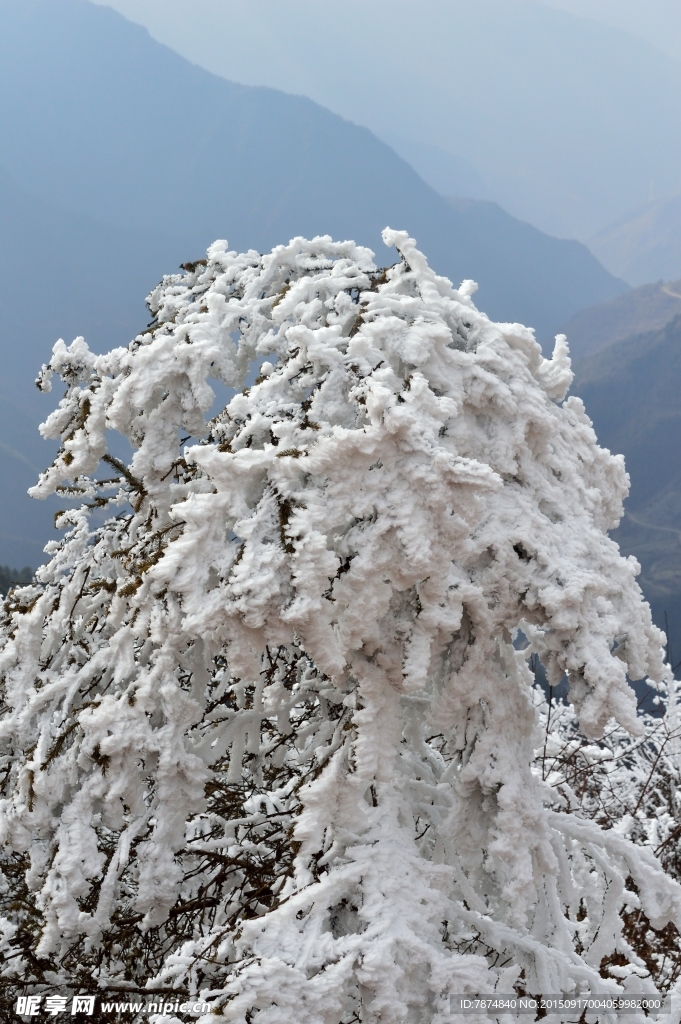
(557, 114)
(639, 311)
(132, 161)
(260, 166)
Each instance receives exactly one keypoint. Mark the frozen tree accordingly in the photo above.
(265, 733)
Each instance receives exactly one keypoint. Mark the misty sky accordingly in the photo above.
(196, 29)
(657, 21)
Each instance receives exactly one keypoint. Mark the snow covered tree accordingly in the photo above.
(264, 734)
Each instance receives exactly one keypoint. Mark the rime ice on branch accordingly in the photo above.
(265, 733)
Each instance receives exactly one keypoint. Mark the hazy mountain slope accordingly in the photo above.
(448, 174)
(644, 245)
(569, 122)
(631, 390)
(98, 118)
(61, 274)
(643, 309)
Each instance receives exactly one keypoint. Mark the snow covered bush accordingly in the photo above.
(264, 732)
(631, 784)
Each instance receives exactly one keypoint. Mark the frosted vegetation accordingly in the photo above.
(268, 733)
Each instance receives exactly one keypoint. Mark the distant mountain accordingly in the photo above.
(643, 309)
(132, 160)
(99, 119)
(631, 390)
(569, 123)
(644, 245)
